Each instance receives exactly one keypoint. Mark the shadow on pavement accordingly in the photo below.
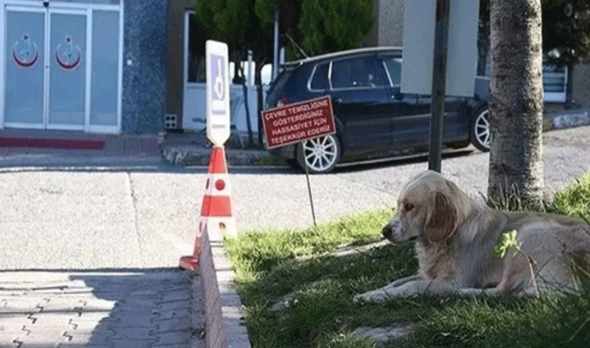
(103, 308)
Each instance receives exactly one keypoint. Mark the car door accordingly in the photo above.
(409, 117)
(411, 113)
(358, 88)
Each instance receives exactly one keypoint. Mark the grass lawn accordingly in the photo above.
(297, 291)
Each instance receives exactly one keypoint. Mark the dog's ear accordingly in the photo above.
(442, 220)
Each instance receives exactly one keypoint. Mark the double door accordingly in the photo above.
(49, 80)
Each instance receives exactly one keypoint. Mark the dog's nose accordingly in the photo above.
(386, 231)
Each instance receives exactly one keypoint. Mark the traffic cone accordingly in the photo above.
(216, 206)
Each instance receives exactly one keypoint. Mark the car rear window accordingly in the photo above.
(276, 87)
(319, 80)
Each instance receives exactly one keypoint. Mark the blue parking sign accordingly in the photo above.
(218, 89)
(218, 113)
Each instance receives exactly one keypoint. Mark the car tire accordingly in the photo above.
(322, 154)
(480, 132)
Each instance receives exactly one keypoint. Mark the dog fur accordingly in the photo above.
(455, 237)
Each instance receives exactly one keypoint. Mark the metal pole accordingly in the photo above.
(439, 80)
(309, 192)
(275, 58)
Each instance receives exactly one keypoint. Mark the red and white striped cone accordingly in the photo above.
(216, 206)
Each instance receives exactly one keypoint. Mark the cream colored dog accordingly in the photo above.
(455, 239)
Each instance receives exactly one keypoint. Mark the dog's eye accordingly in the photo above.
(408, 207)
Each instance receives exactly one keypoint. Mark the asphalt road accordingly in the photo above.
(59, 214)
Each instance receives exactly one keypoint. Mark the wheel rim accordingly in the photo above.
(320, 153)
(482, 129)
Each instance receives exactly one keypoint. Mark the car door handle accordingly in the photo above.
(337, 100)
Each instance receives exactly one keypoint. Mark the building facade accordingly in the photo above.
(95, 66)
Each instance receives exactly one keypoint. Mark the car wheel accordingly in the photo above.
(320, 154)
(481, 134)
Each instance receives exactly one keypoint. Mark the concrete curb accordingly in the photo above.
(189, 156)
(566, 119)
(224, 322)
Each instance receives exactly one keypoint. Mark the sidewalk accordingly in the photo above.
(96, 309)
(31, 143)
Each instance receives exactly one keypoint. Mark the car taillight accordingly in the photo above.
(283, 101)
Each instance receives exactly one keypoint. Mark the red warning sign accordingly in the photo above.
(296, 122)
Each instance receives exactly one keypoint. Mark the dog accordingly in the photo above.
(455, 237)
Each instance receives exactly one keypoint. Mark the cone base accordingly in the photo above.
(189, 263)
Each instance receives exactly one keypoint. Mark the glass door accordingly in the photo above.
(24, 57)
(60, 67)
(67, 80)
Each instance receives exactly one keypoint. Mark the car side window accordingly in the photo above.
(319, 80)
(394, 67)
(363, 72)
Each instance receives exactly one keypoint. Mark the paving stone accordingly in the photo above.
(7, 337)
(125, 332)
(175, 324)
(132, 320)
(96, 304)
(98, 338)
(183, 312)
(127, 313)
(132, 343)
(174, 337)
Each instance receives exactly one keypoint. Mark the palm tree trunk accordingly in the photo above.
(516, 103)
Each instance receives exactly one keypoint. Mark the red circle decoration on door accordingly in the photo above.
(67, 54)
(25, 52)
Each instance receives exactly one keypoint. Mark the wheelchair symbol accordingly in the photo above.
(218, 87)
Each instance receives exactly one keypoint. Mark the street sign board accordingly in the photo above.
(297, 122)
(218, 113)
(418, 47)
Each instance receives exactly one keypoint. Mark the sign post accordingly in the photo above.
(433, 31)
(298, 122)
(439, 80)
(218, 115)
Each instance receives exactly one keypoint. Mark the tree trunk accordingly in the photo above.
(516, 104)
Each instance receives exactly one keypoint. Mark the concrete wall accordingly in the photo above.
(144, 66)
(390, 22)
(581, 85)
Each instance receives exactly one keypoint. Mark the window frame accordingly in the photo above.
(363, 88)
(385, 56)
(312, 75)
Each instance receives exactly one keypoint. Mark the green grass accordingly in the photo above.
(300, 270)
(574, 200)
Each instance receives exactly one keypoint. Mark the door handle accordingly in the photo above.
(337, 100)
(398, 96)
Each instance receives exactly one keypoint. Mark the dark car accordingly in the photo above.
(374, 120)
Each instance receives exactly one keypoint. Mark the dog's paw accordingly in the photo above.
(359, 299)
(370, 297)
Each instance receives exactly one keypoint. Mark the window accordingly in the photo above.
(364, 72)
(554, 83)
(394, 67)
(196, 52)
(319, 80)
